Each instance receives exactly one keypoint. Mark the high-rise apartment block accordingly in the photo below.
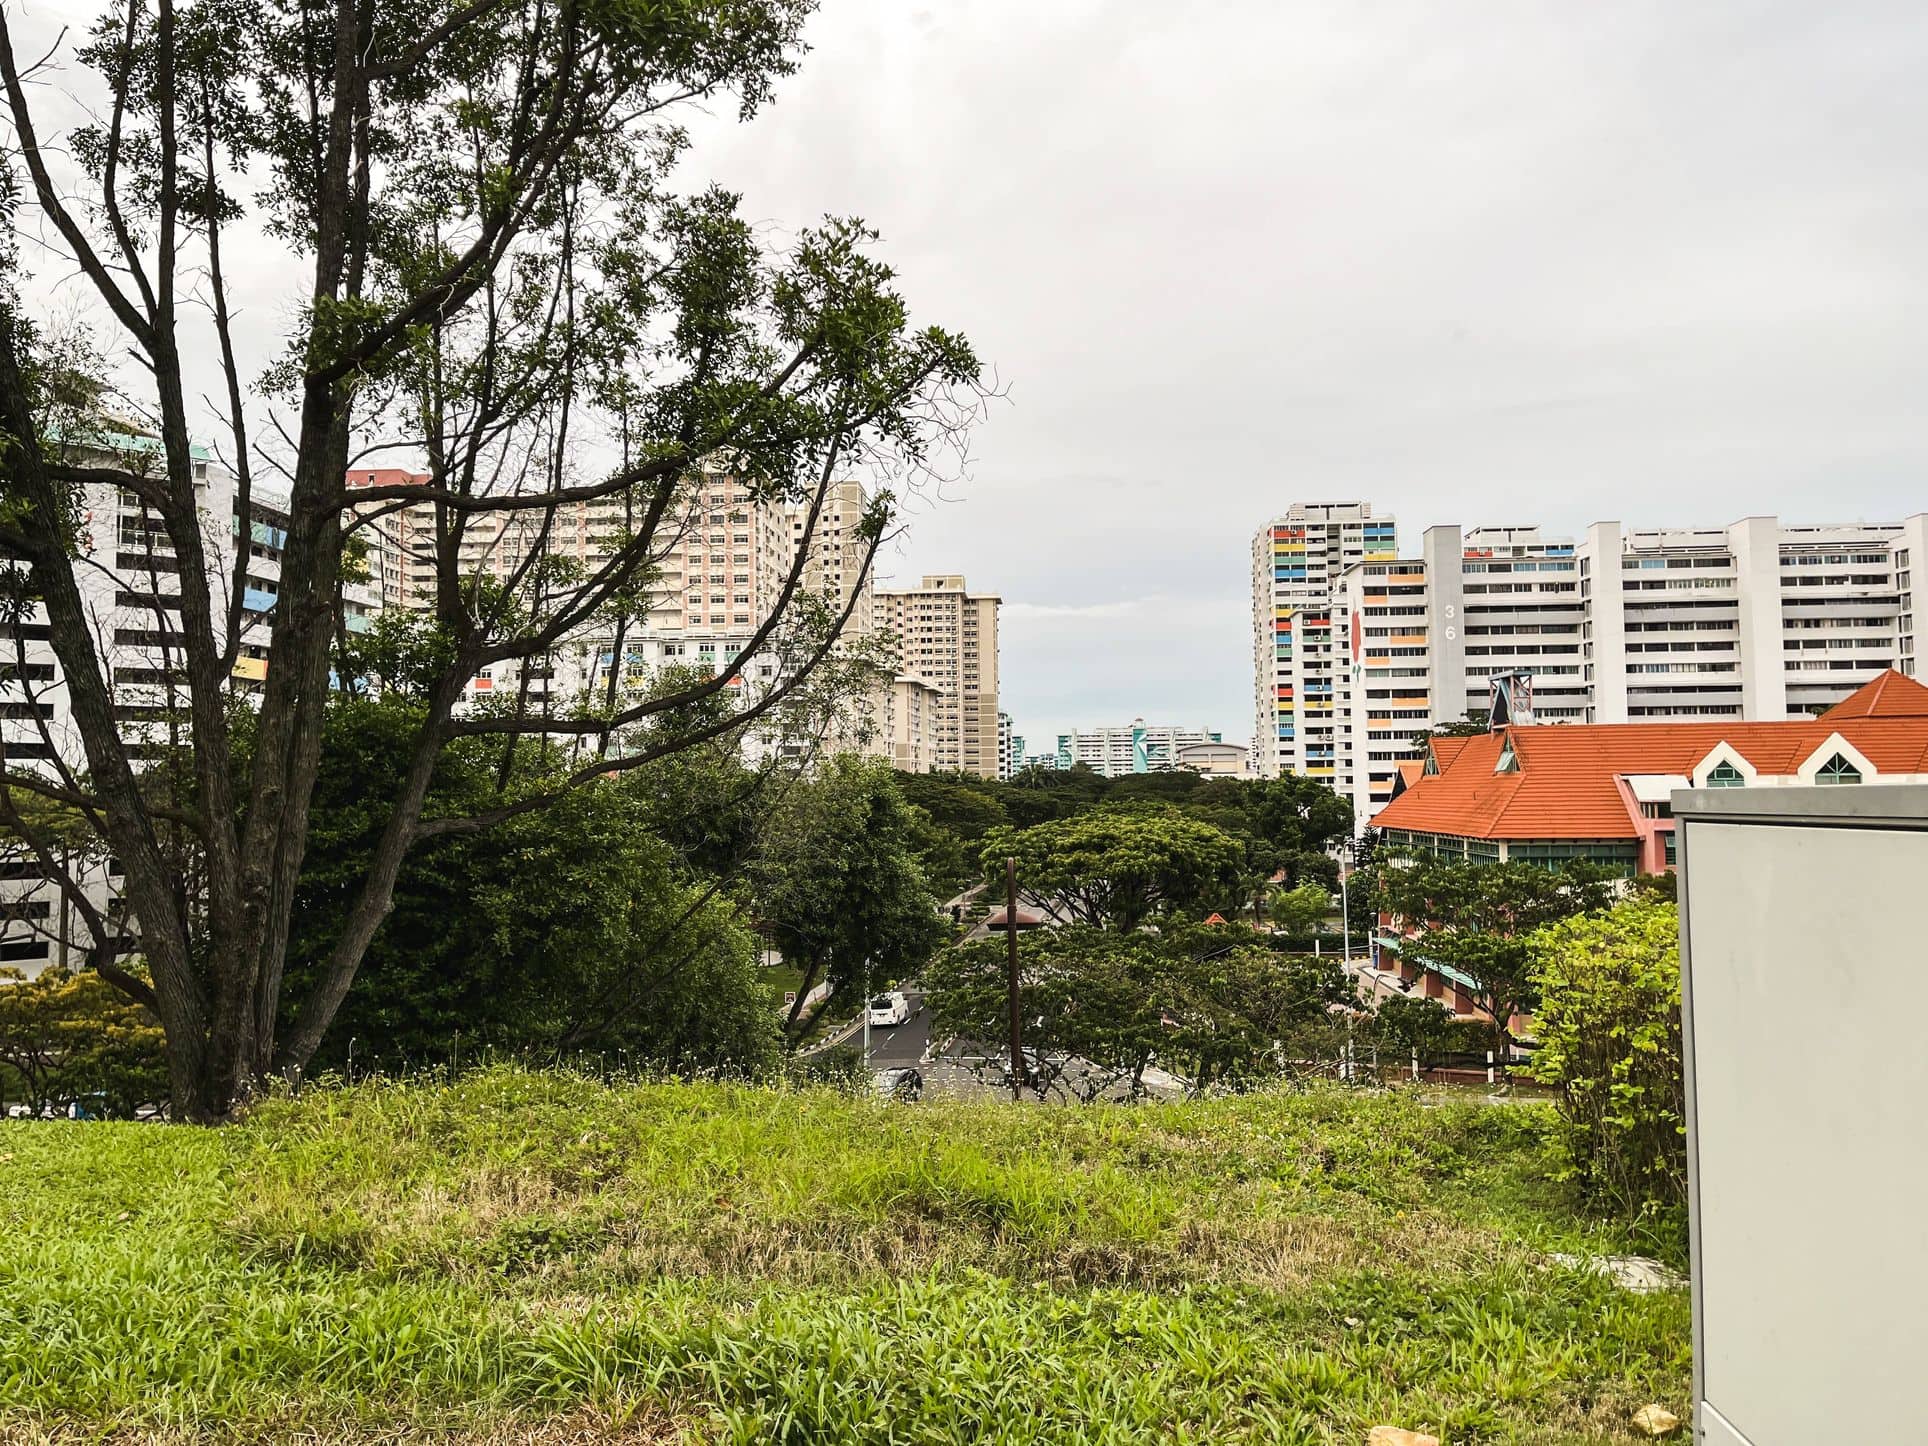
(835, 569)
(722, 557)
(1757, 621)
(130, 576)
(1296, 560)
(947, 636)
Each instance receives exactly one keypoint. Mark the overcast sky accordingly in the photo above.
(1510, 261)
(1500, 261)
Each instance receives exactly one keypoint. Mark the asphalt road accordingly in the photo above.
(902, 1044)
(908, 1045)
(959, 1070)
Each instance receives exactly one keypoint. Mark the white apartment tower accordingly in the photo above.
(1296, 560)
(947, 636)
(130, 580)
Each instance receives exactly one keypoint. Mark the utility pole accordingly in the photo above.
(1011, 981)
(1345, 915)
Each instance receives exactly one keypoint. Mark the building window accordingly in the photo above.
(1508, 762)
(1838, 770)
(1725, 775)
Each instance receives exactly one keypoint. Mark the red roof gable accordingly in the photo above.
(1566, 784)
(1888, 696)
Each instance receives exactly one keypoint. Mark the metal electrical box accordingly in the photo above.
(1804, 955)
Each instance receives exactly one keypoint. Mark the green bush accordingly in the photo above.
(1610, 1040)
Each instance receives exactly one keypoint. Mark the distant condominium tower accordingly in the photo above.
(1137, 748)
(947, 636)
(1296, 558)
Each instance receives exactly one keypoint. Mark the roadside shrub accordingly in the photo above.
(69, 1036)
(1610, 1040)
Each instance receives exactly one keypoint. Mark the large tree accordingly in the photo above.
(499, 281)
(1101, 1009)
(576, 927)
(1478, 920)
(1289, 826)
(1120, 867)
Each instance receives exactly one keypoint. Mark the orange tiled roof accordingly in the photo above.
(1888, 696)
(1566, 785)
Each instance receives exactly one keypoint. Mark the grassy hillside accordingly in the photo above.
(539, 1258)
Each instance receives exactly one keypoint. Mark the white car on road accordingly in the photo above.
(889, 1009)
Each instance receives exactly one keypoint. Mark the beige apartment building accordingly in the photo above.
(721, 572)
(496, 545)
(908, 730)
(722, 565)
(835, 569)
(947, 637)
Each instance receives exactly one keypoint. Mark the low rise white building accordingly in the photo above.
(1139, 748)
(1214, 759)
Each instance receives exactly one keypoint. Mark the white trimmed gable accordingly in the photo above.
(1724, 752)
(1833, 744)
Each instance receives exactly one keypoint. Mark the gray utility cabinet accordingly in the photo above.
(1804, 950)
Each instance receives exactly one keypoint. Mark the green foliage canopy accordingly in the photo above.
(1116, 868)
(839, 889)
(1477, 920)
(67, 1036)
(1301, 911)
(578, 926)
(1103, 1008)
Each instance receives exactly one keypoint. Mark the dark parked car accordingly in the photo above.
(902, 1083)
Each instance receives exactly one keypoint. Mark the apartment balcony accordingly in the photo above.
(1725, 611)
(1666, 695)
(1877, 610)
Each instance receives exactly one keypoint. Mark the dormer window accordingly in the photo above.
(1509, 761)
(1837, 770)
(1431, 769)
(1725, 775)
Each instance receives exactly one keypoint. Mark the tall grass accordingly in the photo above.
(800, 1266)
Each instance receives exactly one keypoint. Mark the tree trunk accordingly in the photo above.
(804, 986)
